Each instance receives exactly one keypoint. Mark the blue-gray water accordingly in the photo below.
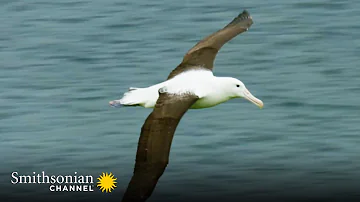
(62, 61)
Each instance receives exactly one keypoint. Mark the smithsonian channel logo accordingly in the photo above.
(106, 182)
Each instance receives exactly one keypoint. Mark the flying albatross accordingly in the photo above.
(191, 85)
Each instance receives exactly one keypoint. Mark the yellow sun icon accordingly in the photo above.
(107, 182)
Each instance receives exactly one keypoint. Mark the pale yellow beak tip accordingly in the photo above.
(261, 105)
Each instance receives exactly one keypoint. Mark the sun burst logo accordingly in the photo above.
(106, 182)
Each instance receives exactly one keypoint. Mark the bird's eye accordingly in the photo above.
(238, 85)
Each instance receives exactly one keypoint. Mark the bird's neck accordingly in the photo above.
(222, 86)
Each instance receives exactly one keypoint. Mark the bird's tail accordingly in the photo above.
(145, 97)
(132, 98)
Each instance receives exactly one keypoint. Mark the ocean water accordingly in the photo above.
(62, 61)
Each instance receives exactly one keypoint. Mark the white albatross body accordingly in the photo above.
(191, 85)
(210, 89)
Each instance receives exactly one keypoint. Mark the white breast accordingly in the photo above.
(198, 82)
(202, 83)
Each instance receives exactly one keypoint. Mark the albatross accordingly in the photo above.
(191, 85)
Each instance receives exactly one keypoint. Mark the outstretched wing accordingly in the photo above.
(204, 52)
(154, 144)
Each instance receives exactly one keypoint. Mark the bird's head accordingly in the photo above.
(237, 89)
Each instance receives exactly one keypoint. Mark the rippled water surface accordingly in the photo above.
(62, 61)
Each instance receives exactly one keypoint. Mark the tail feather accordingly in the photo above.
(132, 98)
(133, 88)
(145, 97)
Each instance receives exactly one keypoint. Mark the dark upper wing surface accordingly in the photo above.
(204, 52)
(154, 144)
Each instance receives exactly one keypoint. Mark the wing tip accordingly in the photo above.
(243, 17)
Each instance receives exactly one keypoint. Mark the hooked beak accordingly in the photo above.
(253, 99)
